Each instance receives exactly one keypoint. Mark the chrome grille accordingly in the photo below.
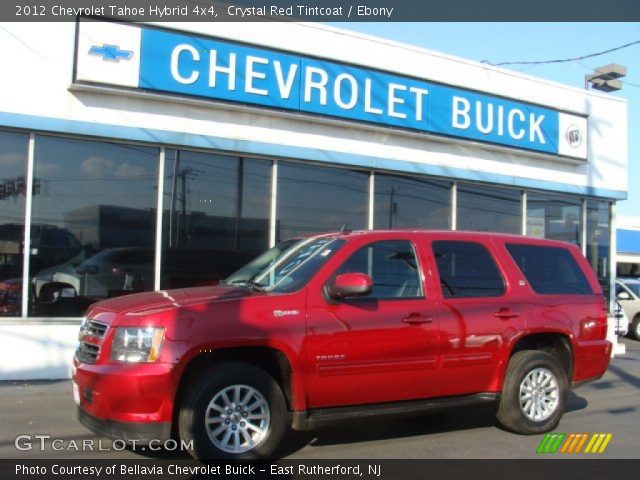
(97, 329)
(87, 352)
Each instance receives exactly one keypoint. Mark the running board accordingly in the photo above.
(309, 419)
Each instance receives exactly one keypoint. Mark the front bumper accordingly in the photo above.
(121, 394)
(128, 431)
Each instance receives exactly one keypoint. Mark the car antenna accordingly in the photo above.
(344, 230)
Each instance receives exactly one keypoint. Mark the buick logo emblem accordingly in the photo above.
(574, 136)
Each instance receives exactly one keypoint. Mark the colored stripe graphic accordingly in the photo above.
(598, 443)
(582, 442)
(550, 443)
(572, 443)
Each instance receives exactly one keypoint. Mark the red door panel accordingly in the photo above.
(363, 352)
(379, 348)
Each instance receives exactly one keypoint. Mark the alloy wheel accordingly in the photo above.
(539, 394)
(237, 419)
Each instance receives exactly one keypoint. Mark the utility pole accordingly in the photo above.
(184, 174)
(392, 206)
(183, 206)
(174, 186)
(240, 193)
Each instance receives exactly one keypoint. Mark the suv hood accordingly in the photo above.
(155, 302)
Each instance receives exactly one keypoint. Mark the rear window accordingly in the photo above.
(550, 270)
(466, 270)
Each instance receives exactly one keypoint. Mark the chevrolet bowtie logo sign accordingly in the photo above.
(111, 53)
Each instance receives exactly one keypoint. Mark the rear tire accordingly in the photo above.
(534, 393)
(234, 412)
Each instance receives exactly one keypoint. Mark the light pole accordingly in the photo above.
(606, 79)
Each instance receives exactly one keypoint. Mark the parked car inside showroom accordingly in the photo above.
(112, 270)
(50, 246)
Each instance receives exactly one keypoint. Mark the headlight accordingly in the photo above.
(132, 344)
(83, 327)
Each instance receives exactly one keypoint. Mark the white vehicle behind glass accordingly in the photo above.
(628, 295)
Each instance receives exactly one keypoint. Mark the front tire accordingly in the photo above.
(635, 328)
(534, 393)
(234, 412)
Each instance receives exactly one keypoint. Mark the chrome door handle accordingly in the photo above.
(506, 313)
(416, 318)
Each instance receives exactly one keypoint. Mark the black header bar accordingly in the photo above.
(325, 10)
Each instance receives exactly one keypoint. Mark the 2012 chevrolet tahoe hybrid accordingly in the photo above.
(326, 327)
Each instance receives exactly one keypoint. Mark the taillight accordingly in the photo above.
(594, 328)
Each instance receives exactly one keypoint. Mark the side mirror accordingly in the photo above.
(624, 296)
(350, 285)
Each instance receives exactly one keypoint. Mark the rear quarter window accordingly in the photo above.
(550, 270)
(467, 270)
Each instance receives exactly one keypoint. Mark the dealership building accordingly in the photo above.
(137, 157)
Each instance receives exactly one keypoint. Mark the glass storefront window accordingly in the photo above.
(216, 216)
(94, 212)
(555, 217)
(599, 241)
(315, 199)
(13, 173)
(489, 209)
(408, 202)
(93, 223)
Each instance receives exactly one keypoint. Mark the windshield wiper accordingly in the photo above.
(248, 283)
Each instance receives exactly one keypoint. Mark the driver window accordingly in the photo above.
(393, 267)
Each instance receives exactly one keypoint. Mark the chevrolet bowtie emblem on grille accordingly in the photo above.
(111, 53)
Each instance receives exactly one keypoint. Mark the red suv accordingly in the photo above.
(331, 326)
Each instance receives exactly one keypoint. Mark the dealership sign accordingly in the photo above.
(165, 61)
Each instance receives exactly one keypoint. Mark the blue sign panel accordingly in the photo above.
(222, 70)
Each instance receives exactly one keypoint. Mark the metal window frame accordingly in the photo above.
(454, 206)
(273, 210)
(372, 194)
(523, 212)
(613, 256)
(28, 206)
(583, 233)
(159, 220)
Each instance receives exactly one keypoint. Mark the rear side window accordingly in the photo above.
(550, 270)
(466, 270)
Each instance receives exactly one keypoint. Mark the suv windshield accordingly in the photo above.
(288, 266)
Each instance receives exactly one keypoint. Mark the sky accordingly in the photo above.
(510, 42)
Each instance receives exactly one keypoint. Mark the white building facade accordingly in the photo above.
(137, 157)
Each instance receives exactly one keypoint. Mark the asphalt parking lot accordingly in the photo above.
(609, 405)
